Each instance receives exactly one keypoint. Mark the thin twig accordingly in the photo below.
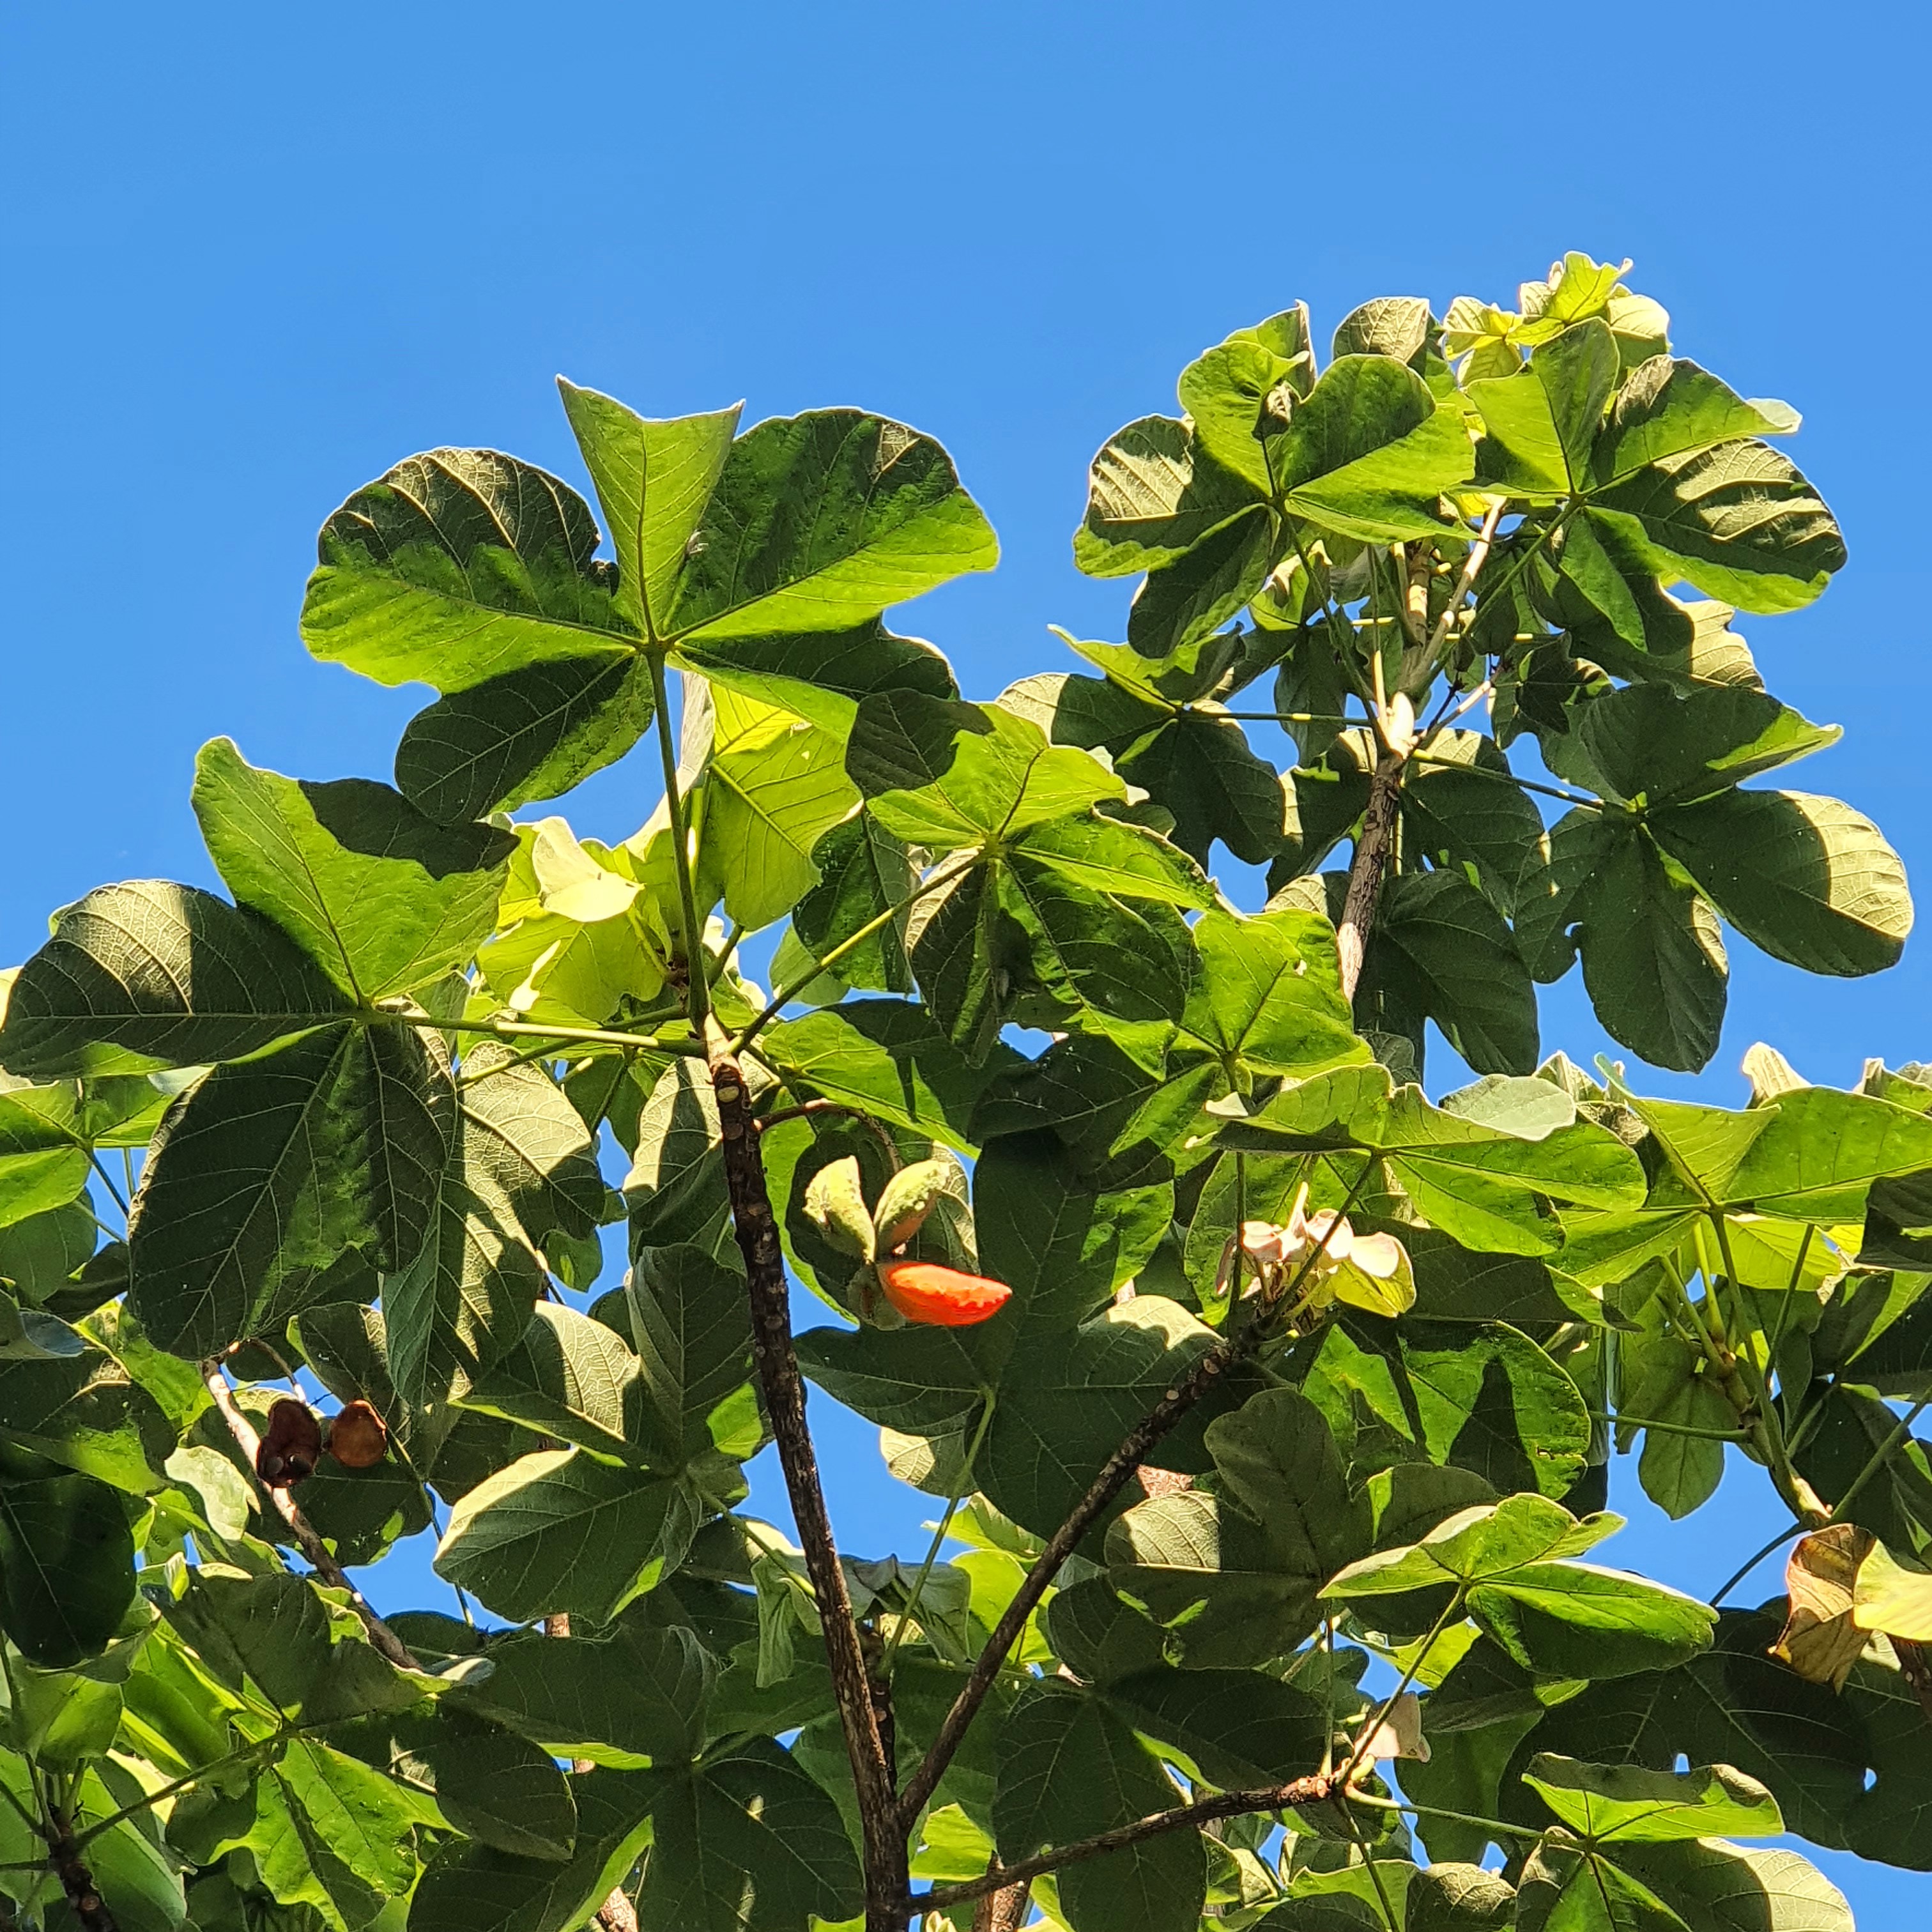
(1877, 1460)
(1309, 1790)
(940, 876)
(1138, 1443)
(320, 1558)
(812, 1109)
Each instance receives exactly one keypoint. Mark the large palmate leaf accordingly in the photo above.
(1234, 1575)
(475, 573)
(746, 1843)
(634, 1696)
(82, 1409)
(1368, 453)
(1478, 1183)
(382, 899)
(559, 1531)
(472, 1887)
(269, 1169)
(459, 566)
(1808, 879)
(774, 785)
(67, 1566)
(519, 1168)
(1070, 1767)
(1153, 494)
(153, 975)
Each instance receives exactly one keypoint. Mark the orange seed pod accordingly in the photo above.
(942, 1297)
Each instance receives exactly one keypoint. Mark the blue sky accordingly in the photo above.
(255, 256)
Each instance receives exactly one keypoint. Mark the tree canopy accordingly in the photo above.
(1269, 1403)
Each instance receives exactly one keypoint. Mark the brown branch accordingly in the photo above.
(886, 1884)
(1004, 1910)
(1310, 1790)
(1139, 1442)
(76, 1881)
(1365, 872)
(321, 1560)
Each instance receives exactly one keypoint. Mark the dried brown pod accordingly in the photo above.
(357, 1439)
(290, 1446)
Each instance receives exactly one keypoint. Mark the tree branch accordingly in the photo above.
(784, 1390)
(320, 1558)
(76, 1881)
(1141, 1439)
(1366, 870)
(1312, 1789)
(1004, 1910)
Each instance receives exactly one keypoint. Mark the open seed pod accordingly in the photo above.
(290, 1445)
(357, 1439)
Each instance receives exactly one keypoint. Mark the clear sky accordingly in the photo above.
(255, 255)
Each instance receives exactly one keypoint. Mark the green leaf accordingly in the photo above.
(353, 1813)
(1456, 962)
(946, 774)
(1234, 1576)
(675, 1187)
(749, 1844)
(773, 785)
(1540, 425)
(1059, 1244)
(1626, 1803)
(1741, 1887)
(864, 871)
(1483, 1543)
(1574, 1620)
(1231, 1728)
(520, 1169)
(473, 1888)
(1226, 391)
(531, 733)
(559, 1531)
(273, 1167)
(43, 1163)
(1180, 605)
(1492, 1402)
(492, 1785)
(1478, 1183)
(1069, 1768)
(1367, 453)
(654, 480)
(1152, 495)
(886, 1057)
(152, 975)
(1270, 994)
(1648, 744)
(1809, 880)
(1653, 959)
(1454, 1897)
(1201, 768)
(820, 520)
(569, 1377)
(457, 566)
(1738, 521)
(1459, 814)
(1670, 407)
(384, 901)
(632, 1697)
(84, 1411)
(1065, 1404)
(66, 1568)
(691, 1326)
